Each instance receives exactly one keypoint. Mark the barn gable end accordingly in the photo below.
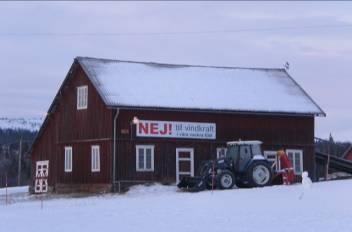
(66, 126)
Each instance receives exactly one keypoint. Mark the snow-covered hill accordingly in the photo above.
(326, 206)
(32, 124)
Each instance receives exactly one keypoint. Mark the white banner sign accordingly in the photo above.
(169, 129)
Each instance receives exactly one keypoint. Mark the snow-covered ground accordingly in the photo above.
(325, 206)
(32, 124)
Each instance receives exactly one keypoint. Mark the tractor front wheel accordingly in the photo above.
(226, 180)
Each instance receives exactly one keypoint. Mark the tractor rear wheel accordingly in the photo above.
(226, 180)
(259, 174)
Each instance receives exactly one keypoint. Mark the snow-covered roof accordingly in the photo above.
(145, 85)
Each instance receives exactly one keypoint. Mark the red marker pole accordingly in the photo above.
(212, 178)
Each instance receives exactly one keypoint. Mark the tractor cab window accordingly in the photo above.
(245, 151)
(232, 152)
(245, 156)
(256, 150)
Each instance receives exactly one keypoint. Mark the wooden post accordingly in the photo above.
(19, 164)
(328, 160)
(131, 128)
(6, 188)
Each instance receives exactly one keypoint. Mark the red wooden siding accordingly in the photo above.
(348, 155)
(275, 132)
(80, 129)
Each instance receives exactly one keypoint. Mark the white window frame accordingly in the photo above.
(276, 161)
(218, 151)
(294, 151)
(95, 158)
(82, 97)
(144, 169)
(183, 159)
(68, 159)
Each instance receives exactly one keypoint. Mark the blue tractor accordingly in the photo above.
(243, 165)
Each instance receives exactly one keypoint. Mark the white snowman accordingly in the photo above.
(306, 184)
(306, 181)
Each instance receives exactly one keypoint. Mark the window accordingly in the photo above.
(271, 156)
(221, 152)
(95, 156)
(296, 158)
(68, 159)
(144, 157)
(232, 152)
(82, 97)
(256, 149)
(245, 152)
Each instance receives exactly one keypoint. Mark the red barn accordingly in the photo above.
(115, 123)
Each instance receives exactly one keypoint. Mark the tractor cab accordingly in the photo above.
(242, 152)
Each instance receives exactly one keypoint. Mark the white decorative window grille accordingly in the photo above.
(41, 176)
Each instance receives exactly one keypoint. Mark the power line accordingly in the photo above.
(102, 34)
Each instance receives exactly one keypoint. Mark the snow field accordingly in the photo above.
(324, 207)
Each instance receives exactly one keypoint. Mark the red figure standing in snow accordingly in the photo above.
(286, 167)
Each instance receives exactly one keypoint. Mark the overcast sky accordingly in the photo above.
(37, 48)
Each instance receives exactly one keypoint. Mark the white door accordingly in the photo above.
(184, 163)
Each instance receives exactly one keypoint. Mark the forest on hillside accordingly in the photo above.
(10, 140)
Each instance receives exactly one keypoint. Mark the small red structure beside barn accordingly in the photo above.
(115, 123)
(348, 153)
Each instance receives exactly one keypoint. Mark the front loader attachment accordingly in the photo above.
(192, 184)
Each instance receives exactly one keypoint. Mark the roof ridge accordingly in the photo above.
(177, 65)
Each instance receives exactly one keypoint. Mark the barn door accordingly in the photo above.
(184, 163)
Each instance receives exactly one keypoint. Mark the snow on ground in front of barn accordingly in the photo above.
(324, 207)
